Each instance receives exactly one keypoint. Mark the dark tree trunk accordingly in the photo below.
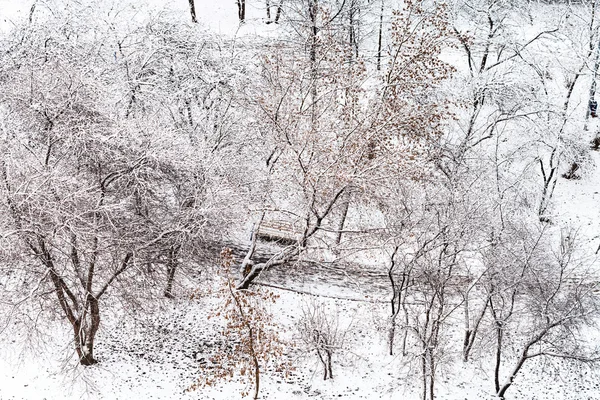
(325, 357)
(86, 337)
(193, 11)
(241, 10)
(471, 331)
(268, 12)
(278, 14)
(353, 31)
(84, 333)
(498, 360)
(171, 268)
(342, 222)
(431, 375)
(313, 9)
(380, 37)
(424, 376)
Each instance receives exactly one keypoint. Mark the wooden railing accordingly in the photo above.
(278, 231)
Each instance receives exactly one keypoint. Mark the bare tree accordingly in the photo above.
(320, 332)
(326, 140)
(558, 301)
(89, 194)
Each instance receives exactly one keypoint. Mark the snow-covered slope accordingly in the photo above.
(159, 355)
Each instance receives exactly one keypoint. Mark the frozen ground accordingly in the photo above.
(159, 356)
(577, 205)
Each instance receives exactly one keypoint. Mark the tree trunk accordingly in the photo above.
(424, 375)
(353, 31)
(471, 331)
(392, 334)
(84, 333)
(498, 356)
(241, 10)
(84, 344)
(256, 370)
(171, 269)
(268, 12)
(278, 14)
(168, 293)
(193, 11)
(313, 9)
(431, 374)
(596, 67)
(88, 336)
(380, 37)
(549, 185)
(345, 207)
(501, 391)
(405, 330)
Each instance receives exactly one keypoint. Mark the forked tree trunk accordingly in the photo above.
(86, 335)
(82, 314)
(397, 303)
(86, 321)
(471, 331)
(325, 357)
(277, 13)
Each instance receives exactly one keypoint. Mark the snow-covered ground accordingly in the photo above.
(159, 356)
(578, 203)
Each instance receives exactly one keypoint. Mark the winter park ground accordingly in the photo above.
(160, 354)
(158, 357)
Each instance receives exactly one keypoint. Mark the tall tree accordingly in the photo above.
(328, 142)
(92, 191)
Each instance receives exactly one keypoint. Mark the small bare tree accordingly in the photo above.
(250, 332)
(320, 332)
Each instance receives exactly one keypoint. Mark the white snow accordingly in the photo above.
(158, 358)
